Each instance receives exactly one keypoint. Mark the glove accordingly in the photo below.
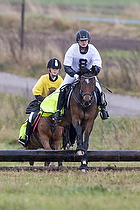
(76, 76)
(85, 70)
(96, 70)
(39, 98)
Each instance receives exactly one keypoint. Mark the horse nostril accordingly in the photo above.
(90, 101)
(86, 102)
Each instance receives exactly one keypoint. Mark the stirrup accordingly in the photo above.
(56, 116)
(104, 114)
(24, 142)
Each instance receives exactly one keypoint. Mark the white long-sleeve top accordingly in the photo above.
(73, 56)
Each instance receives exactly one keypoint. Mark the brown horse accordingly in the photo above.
(82, 113)
(47, 135)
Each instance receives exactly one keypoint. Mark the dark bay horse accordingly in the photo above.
(82, 113)
(47, 135)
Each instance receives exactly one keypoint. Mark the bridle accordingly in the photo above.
(86, 78)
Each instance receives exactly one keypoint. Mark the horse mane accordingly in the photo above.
(86, 71)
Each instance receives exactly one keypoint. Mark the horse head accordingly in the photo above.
(87, 86)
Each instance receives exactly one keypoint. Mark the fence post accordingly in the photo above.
(22, 25)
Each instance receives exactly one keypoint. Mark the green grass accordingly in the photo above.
(71, 190)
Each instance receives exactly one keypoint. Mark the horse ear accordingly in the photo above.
(85, 70)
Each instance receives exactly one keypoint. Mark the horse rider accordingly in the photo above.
(81, 55)
(46, 82)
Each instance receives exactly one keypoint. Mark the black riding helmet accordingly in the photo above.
(82, 35)
(54, 64)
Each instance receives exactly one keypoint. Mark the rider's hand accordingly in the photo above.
(76, 76)
(39, 98)
(96, 70)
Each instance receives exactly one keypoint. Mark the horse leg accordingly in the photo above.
(84, 160)
(72, 135)
(66, 139)
(46, 145)
(31, 147)
(57, 146)
(69, 137)
(56, 140)
(80, 148)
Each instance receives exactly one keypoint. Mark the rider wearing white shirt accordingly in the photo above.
(81, 55)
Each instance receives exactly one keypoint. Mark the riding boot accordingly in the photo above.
(25, 141)
(60, 105)
(103, 112)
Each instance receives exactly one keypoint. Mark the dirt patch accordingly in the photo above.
(117, 43)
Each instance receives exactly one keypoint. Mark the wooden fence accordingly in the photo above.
(68, 155)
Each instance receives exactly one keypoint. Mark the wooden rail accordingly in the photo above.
(68, 156)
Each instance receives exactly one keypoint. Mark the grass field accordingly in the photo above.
(71, 190)
(118, 190)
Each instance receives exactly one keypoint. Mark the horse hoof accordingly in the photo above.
(80, 152)
(60, 164)
(84, 171)
(52, 165)
(69, 147)
(31, 163)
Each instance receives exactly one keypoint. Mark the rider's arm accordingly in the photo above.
(39, 98)
(69, 71)
(38, 87)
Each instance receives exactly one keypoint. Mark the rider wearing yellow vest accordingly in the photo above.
(40, 90)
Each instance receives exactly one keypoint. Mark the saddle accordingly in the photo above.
(33, 107)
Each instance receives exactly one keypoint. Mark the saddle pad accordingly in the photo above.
(49, 104)
(22, 131)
